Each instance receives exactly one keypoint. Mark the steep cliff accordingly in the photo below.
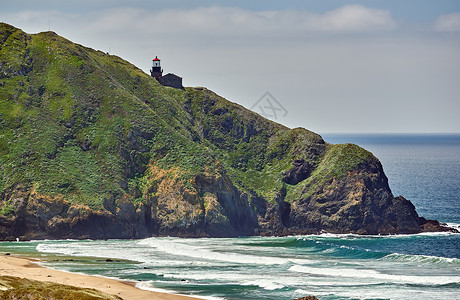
(92, 147)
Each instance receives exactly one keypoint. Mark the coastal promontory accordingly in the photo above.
(93, 147)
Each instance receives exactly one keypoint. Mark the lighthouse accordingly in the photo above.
(171, 80)
(156, 71)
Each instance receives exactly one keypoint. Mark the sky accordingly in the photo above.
(331, 66)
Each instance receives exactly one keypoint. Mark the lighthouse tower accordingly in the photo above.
(156, 71)
(169, 79)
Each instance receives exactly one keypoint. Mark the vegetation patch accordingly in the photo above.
(7, 209)
(340, 159)
(337, 162)
(20, 288)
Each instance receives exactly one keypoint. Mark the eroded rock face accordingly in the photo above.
(360, 203)
(300, 171)
(42, 217)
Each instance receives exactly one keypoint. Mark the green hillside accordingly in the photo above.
(87, 137)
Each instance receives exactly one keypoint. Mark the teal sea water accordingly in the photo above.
(423, 168)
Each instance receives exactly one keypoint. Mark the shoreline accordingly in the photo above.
(29, 268)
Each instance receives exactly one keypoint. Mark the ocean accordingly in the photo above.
(423, 168)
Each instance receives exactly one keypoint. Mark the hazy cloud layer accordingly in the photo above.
(449, 22)
(220, 20)
(352, 68)
(227, 20)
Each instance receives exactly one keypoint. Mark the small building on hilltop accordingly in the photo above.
(171, 80)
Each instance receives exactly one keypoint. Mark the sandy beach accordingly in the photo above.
(29, 269)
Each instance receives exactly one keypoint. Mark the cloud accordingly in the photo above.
(223, 24)
(229, 21)
(349, 18)
(449, 22)
(353, 18)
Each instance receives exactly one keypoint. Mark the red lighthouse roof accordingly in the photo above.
(156, 58)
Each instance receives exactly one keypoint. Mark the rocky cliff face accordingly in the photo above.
(92, 147)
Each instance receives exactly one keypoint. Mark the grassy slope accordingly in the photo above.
(69, 126)
(86, 125)
(21, 288)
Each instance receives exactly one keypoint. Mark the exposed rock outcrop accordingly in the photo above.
(300, 171)
(307, 298)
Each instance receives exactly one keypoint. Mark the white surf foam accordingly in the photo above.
(183, 249)
(372, 274)
(266, 284)
(453, 225)
(99, 249)
(421, 258)
(232, 277)
(147, 285)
